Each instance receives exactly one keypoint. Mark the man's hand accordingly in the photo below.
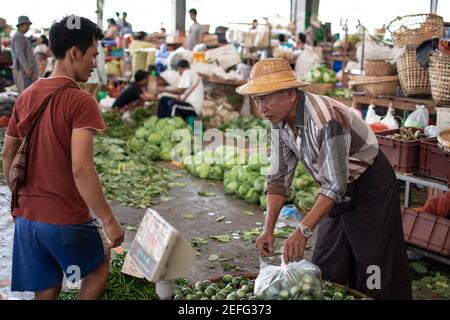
(294, 247)
(264, 243)
(114, 232)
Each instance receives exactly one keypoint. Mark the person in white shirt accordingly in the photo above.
(190, 95)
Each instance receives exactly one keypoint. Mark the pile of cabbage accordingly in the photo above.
(212, 164)
(320, 74)
(304, 189)
(153, 140)
(248, 181)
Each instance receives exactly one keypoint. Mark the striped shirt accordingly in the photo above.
(332, 143)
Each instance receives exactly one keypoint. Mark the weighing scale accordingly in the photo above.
(159, 254)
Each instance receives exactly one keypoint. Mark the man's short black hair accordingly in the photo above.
(112, 21)
(140, 35)
(193, 11)
(255, 21)
(302, 37)
(44, 40)
(183, 64)
(140, 75)
(281, 37)
(73, 31)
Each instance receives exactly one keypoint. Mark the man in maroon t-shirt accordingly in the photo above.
(55, 233)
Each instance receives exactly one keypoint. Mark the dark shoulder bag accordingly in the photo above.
(18, 171)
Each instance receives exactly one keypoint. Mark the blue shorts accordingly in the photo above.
(43, 253)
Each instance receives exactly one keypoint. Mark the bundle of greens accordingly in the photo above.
(121, 286)
(128, 179)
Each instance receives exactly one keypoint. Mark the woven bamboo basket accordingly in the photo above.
(376, 86)
(444, 140)
(414, 79)
(320, 88)
(440, 78)
(379, 68)
(412, 30)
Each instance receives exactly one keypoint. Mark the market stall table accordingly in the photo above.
(399, 103)
(409, 178)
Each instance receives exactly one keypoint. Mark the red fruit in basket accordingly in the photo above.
(438, 206)
(378, 126)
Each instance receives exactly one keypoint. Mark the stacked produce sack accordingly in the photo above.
(214, 113)
(154, 139)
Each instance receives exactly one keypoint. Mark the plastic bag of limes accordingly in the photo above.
(293, 281)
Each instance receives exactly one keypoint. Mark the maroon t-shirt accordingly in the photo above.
(50, 194)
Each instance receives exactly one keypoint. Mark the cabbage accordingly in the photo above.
(242, 173)
(135, 144)
(252, 196)
(151, 122)
(307, 202)
(166, 154)
(307, 179)
(234, 173)
(317, 74)
(243, 190)
(259, 184)
(202, 170)
(264, 171)
(215, 173)
(151, 152)
(141, 133)
(227, 176)
(231, 187)
(263, 201)
(154, 138)
(251, 177)
(297, 183)
(166, 144)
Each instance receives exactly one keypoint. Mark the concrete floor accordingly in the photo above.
(205, 211)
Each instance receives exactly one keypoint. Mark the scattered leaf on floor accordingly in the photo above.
(213, 257)
(206, 194)
(222, 238)
(177, 184)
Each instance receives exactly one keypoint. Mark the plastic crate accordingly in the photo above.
(403, 155)
(433, 162)
(426, 231)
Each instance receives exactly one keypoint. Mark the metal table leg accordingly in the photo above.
(407, 194)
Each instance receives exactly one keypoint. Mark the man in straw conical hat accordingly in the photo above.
(356, 216)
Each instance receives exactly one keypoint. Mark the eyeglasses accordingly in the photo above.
(262, 99)
(265, 99)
